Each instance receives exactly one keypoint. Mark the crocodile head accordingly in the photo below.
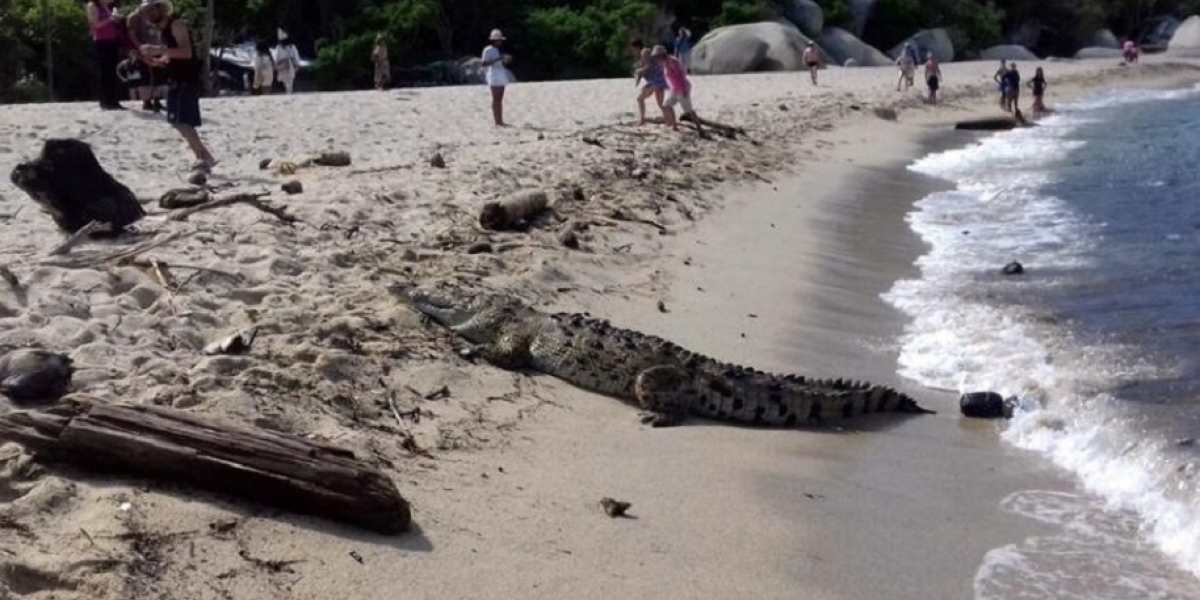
(478, 317)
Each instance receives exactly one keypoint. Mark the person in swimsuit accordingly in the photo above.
(379, 59)
(812, 60)
(1012, 82)
(933, 77)
(651, 82)
(998, 77)
(908, 68)
(1038, 84)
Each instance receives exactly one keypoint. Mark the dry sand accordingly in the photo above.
(505, 505)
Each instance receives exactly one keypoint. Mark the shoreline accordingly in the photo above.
(520, 462)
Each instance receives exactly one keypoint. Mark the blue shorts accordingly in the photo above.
(183, 105)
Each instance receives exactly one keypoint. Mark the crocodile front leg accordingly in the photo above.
(662, 393)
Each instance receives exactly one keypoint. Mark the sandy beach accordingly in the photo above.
(770, 249)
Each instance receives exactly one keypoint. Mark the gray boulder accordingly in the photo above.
(1008, 52)
(1160, 34)
(1186, 39)
(1104, 38)
(766, 46)
(845, 49)
(1093, 52)
(860, 11)
(805, 15)
(936, 41)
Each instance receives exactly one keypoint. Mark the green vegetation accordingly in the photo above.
(550, 39)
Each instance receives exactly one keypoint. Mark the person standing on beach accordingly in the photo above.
(933, 77)
(1038, 84)
(999, 79)
(106, 38)
(1012, 83)
(677, 81)
(497, 75)
(908, 68)
(683, 47)
(152, 89)
(812, 60)
(1129, 51)
(182, 69)
(652, 83)
(379, 58)
(287, 61)
(264, 69)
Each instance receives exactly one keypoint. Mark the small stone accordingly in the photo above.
(783, 107)
(662, 307)
(541, 136)
(437, 161)
(264, 164)
(577, 194)
(479, 248)
(614, 508)
(1012, 268)
(569, 239)
(198, 178)
(292, 187)
(887, 114)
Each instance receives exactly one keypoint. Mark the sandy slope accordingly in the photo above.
(505, 506)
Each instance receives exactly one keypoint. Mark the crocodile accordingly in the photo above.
(666, 381)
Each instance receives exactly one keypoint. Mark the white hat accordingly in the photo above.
(281, 34)
(496, 35)
(659, 51)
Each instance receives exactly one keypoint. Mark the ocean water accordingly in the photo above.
(1099, 339)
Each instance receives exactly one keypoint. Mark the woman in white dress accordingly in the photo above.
(287, 61)
(497, 74)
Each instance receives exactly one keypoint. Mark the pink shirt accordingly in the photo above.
(105, 33)
(676, 76)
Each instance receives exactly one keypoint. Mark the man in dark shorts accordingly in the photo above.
(182, 71)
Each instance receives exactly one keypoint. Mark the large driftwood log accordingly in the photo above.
(276, 469)
(514, 210)
(68, 182)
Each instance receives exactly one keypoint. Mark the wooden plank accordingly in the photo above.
(280, 470)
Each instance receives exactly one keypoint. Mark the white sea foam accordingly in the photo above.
(961, 339)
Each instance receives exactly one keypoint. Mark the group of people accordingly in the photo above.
(664, 77)
(160, 48)
(907, 63)
(1008, 78)
(279, 63)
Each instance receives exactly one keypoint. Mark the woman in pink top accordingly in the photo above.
(102, 19)
(678, 84)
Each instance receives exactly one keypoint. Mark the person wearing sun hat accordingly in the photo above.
(498, 76)
(177, 57)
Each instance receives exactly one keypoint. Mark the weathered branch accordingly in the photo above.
(79, 236)
(285, 471)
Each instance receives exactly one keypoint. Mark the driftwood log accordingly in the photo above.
(513, 211)
(69, 184)
(276, 469)
(1000, 123)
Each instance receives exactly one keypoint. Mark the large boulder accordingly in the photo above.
(1186, 40)
(1008, 52)
(842, 46)
(1104, 38)
(1161, 30)
(766, 46)
(1093, 52)
(805, 15)
(936, 41)
(860, 11)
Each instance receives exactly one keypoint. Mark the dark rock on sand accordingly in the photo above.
(1012, 268)
(986, 405)
(69, 184)
(292, 187)
(30, 377)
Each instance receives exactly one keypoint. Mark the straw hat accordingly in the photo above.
(167, 5)
(496, 35)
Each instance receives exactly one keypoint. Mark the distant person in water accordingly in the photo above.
(379, 59)
(1130, 52)
(933, 77)
(652, 82)
(677, 81)
(908, 68)
(1038, 85)
(998, 77)
(498, 76)
(812, 60)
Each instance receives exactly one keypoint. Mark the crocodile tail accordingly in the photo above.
(908, 405)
